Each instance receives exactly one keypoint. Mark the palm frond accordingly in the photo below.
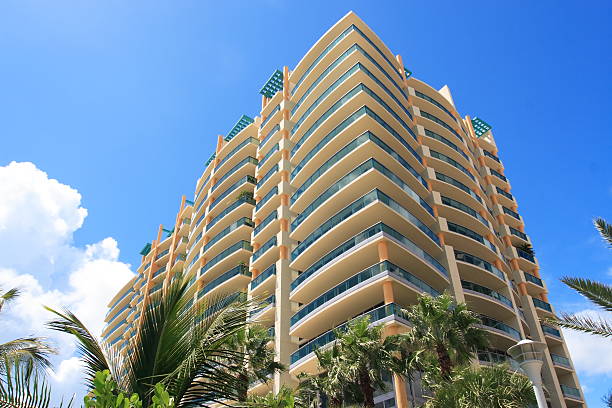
(22, 388)
(605, 229)
(90, 350)
(596, 292)
(9, 295)
(584, 324)
(31, 353)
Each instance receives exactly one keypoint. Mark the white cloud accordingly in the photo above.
(592, 355)
(38, 217)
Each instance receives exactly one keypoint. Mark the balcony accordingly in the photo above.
(481, 263)
(571, 392)
(229, 209)
(491, 156)
(459, 185)
(489, 322)
(548, 330)
(383, 268)
(533, 279)
(244, 180)
(375, 315)
(268, 272)
(498, 175)
(271, 133)
(434, 102)
(525, 255)
(560, 361)
(518, 233)
(247, 141)
(266, 198)
(269, 244)
(265, 222)
(511, 213)
(464, 208)
(240, 270)
(542, 304)
(461, 230)
(442, 123)
(474, 287)
(230, 172)
(267, 176)
(504, 193)
(453, 163)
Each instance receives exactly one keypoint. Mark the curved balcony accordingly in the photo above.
(356, 207)
(234, 280)
(261, 167)
(542, 307)
(270, 176)
(509, 333)
(498, 179)
(472, 267)
(482, 298)
(268, 202)
(360, 291)
(456, 190)
(456, 209)
(272, 135)
(234, 172)
(560, 361)
(247, 146)
(239, 209)
(274, 114)
(437, 104)
(361, 248)
(390, 183)
(361, 94)
(345, 152)
(264, 255)
(238, 230)
(442, 144)
(246, 182)
(462, 237)
(302, 360)
(571, 392)
(259, 283)
(451, 166)
(229, 256)
(441, 125)
(268, 221)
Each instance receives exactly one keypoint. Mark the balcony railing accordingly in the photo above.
(452, 162)
(273, 215)
(511, 213)
(232, 188)
(459, 229)
(433, 101)
(571, 392)
(441, 123)
(496, 324)
(222, 214)
(525, 255)
(533, 279)
(542, 304)
(270, 134)
(368, 273)
(491, 155)
(474, 287)
(462, 207)
(504, 193)
(238, 270)
(269, 271)
(329, 336)
(266, 198)
(459, 185)
(551, 330)
(498, 175)
(225, 253)
(267, 176)
(447, 142)
(474, 260)
(560, 360)
(246, 160)
(518, 233)
(269, 244)
(232, 227)
(236, 149)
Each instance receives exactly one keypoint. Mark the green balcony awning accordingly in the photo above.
(243, 122)
(210, 159)
(480, 126)
(273, 85)
(407, 72)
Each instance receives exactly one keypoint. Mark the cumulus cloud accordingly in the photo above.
(592, 355)
(38, 217)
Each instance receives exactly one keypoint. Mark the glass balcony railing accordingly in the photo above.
(462, 207)
(447, 142)
(357, 239)
(433, 101)
(360, 140)
(498, 175)
(497, 357)
(269, 244)
(345, 33)
(496, 324)
(571, 392)
(266, 198)
(232, 188)
(269, 271)
(348, 179)
(452, 162)
(201, 187)
(368, 273)
(273, 150)
(474, 287)
(525, 255)
(237, 149)
(533, 279)
(560, 360)
(225, 253)
(343, 101)
(541, 304)
(230, 172)
(329, 336)
(238, 270)
(474, 260)
(459, 229)
(159, 271)
(458, 184)
(551, 330)
(518, 233)
(267, 176)
(504, 193)
(491, 155)
(126, 294)
(156, 288)
(115, 340)
(511, 213)
(272, 112)
(273, 215)
(353, 208)
(123, 309)
(232, 227)
(271, 133)
(442, 123)
(357, 67)
(162, 253)
(229, 209)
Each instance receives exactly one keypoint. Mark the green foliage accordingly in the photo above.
(176, 345)
(285, 398)
(444, 331)
(106, 395)
(484, 387)
(605, 230)
(245, 194)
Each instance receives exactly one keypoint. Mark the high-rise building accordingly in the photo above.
(357, 188)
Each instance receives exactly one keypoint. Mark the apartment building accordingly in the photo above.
(357, 188)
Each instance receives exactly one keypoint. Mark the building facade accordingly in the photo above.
(357, 188)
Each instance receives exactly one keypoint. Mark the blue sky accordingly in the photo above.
(122, 101)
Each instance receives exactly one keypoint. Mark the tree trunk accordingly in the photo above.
(446, 365)
(244, 386)
(365, 384)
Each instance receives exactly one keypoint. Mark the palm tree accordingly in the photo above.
(445, 330)
(354, 365)
(285, 398)
(484, 387)
(182, 347)
(331, 385)
(31, 353)
(258, 359)
(598, 293)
